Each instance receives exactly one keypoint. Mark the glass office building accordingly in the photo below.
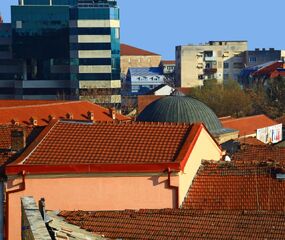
(69, 49)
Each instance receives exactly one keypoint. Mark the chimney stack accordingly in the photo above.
(69, 116)
(18, 139)
(33, 121)
(90, 115)
(112, 113)
(15, 122)
(50, 118)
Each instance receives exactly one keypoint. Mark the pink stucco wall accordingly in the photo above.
(92, 193)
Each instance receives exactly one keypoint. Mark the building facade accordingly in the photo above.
(221, 60)
(142, 80)
(132, 57)
(261, 56)
(68, 49)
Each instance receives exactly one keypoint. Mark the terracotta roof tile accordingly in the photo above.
(70, 142)
(127, 50)
(237, 186)
(251, 141)
(41, 112)
(17, 103)
(248, 125)
(168, 61)
(180, 224)
(260, 153)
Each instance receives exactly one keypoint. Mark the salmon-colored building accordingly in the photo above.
(107, 166)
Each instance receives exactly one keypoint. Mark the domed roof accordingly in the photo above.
(180, 109)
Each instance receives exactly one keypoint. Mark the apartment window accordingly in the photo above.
(19, 24)
(238, 65)
(117, 33)
(252, 59)
(208, 53)
(226, 65)
(201, 77)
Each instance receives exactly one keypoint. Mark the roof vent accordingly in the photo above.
(69, 116)
(15, 122)
(280, 176)
(112, 113)
(18, 139)
(51, 117)
(33, 121)
(90, 115)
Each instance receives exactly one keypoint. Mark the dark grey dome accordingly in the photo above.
(180, 109)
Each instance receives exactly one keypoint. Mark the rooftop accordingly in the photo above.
(152, 71)
(127, 50)
(180, 224)
(44, 111)
(237, 186)
(110, 146)
(248, 125)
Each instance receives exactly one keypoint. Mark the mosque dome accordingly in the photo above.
(180, 109)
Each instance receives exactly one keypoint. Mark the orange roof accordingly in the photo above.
(21, 112)
(145, 100)
(127, 50)
(122, 146)
(248, 125)
(14, 103)
(168, 62)
(165, 224)
(251, 141)
(237, 186)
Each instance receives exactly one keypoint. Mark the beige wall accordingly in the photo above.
(204, 149)
(139, 61)
(109, 192)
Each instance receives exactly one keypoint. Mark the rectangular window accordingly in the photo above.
(252, 59)
(226, 65)
(4, 48)
(19, 24)
(117, 33)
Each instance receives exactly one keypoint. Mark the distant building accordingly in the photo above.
(221, 60)
(142, 80)
(66, 49)
(261, 73)
(168, 66)
(261, 56)
(132, 57)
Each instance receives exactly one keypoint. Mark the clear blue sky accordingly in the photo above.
(160, 25)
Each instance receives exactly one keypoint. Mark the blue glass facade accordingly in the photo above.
(46, 37)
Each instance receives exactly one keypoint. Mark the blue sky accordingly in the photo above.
(160, 25)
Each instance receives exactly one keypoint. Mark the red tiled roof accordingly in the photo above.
(145, 100)
(127, 50)
(268, 69)
(17, 103)
(168, 61)
(5, 134)
(236, 186)
(79, 109)
(260, 153)
(179, 224)
(251, 141)
(111, 145)
(248, 125)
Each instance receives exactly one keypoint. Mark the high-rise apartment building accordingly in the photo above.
(68, 49)
(221, 60)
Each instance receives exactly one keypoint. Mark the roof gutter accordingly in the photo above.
(90, 168)
(8, 193)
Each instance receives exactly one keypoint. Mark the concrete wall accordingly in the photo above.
(192, 60)
(139, 61)
(263, 56)
(86, 192)
(204, 149)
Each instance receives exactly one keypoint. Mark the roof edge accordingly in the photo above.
(90, 168)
